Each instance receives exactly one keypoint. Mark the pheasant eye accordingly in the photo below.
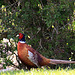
(20, 35)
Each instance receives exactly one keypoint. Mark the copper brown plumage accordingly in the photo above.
(31, 58)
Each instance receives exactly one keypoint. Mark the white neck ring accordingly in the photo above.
(22, 41)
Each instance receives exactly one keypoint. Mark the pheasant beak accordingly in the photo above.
(17, 35)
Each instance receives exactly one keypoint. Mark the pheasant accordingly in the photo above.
(33, 59)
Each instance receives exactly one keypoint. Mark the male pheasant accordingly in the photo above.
(31, 58)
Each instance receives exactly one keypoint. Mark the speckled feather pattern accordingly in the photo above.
(31, 57)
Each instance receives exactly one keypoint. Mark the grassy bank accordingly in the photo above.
(41, 72)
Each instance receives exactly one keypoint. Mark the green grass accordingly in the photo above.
(41, 72)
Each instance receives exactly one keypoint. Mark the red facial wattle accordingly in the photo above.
(20, 35)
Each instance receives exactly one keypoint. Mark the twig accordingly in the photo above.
(9, 5)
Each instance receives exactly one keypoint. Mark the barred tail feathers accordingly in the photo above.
(55, 61)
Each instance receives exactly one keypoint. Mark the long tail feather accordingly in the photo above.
(55, 61)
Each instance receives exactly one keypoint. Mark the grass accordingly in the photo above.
(41, 72)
